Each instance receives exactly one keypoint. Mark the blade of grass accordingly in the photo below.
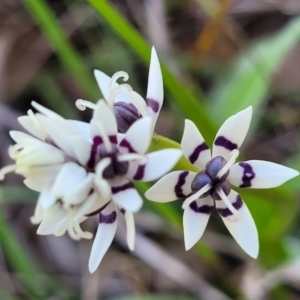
(248, 79)
(189, 104)
(45, 18)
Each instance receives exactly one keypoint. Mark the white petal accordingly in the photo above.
(27, 140)
(158, 163)
(243, 230)
(232, 133)
(260, 174)
(129, 218)
(125, 195)
(60, 132)
(195, 218)
(104, 81)
(31, 127)
(34, 185)
(49, 224)
(45, 111)
(46, 197)
(107, 119)
(171, 187)
(138, 136)
(105, 234)
(43, 174)
(193, 145)
(67, 180)
(80, 191)
(155, 91)
(82, 127)
(82, 149)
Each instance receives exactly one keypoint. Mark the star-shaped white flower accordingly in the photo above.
(212, 185)
(127, 104)
(83, 169)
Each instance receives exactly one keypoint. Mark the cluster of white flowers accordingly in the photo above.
(86, 169)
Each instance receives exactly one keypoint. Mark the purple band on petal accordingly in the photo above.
(113, 139)
(226, 212)
(180, 183)
(153, 104)
(204, 209)
(121, 188)
(248, 174)
(127, 145)
(97, 141)
(195, 155)
(227, 144)
(108, 219)
(139, 174)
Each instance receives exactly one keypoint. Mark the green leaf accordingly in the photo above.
(248, 79)
(56, 36)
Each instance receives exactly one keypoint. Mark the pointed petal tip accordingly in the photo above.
(92, 267)
(188, 245)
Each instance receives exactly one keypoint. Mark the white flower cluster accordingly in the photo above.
(86, 169)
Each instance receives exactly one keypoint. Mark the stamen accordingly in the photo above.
(133, 156)
(138, 102)
(71, 229)
(83, 104)
(195, 196)
(113, 94)
(85, 206)
(104, 136)
(234, 154)
(115, 77)
(32, 116)
(229, 205)
(81, 233)
(7, 169)
(105, 162)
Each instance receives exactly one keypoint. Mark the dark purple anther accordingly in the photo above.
(107, 219)
(227, 144)
(126, 114)
(214, 166)
(204, 209)
(153, 104)
(194, 156)
(248, 174)
(201, 180)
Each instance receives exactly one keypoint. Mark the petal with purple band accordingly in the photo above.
(155, 91)
(243, 230)
(104, 81)
(171, 187)
(195, 218)
(260, 174)
(193, 145)
(232, 133)
(105, 233)
(157, 164)
(103, 116)
(138, 137)
(125, 195)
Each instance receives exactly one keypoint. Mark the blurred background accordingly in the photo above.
(218, 57)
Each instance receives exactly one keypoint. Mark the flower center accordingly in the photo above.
(114, 167)
(210, 176)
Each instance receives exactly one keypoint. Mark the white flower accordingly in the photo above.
(212, 186)
(127, 104)
(83, 169)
